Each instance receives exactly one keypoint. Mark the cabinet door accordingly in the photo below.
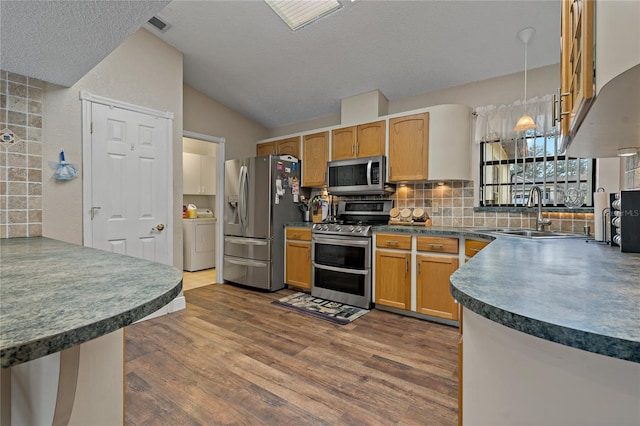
(409, 148)
(393, 279)
(266, 148)
(298, 264)
(343, 143)
(371, 138)
(473, 247)
(432, 286)
(315, 154)
(190, 173)
(207, 175)
(576, 62)
(290, 146)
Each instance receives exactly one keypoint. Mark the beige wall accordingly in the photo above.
(207, 116)
(494, 91)
(143, 71)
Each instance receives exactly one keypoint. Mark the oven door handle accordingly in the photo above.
(344, 270)
(349, 241)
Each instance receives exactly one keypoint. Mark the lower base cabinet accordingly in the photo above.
(298, 258)
(393, 279)
(432, 286)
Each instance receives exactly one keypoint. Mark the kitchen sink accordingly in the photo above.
(532, 233)
(529, 233)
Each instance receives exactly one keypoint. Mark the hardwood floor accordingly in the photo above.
(191, 280)
(231, 357)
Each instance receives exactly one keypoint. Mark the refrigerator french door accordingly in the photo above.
(261, 195)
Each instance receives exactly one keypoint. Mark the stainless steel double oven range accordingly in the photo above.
(342, 252)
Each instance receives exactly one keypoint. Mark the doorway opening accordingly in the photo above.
(202, 191)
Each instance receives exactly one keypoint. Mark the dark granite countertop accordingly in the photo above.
(568, 291)
(55, 295)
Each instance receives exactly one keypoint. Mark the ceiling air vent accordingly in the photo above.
(158, 24)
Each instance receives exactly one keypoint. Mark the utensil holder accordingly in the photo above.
(316, 216)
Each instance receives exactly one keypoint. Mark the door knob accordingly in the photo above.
(158, 227)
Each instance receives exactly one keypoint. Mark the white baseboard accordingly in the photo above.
(177, 304)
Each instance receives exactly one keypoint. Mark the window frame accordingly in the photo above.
(554, 157)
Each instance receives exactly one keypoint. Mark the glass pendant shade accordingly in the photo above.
(525, 123)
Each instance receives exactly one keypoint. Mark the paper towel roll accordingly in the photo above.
(600, 202)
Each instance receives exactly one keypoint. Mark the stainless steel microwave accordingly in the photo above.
(358, 176)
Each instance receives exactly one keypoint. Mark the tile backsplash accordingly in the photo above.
(20, 156)
(452, 204)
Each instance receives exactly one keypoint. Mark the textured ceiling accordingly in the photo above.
(241, 54)
(60, 41)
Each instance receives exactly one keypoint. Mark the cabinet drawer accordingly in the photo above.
(395, 241)
(438, 244)
(303, 234)
(472, 247)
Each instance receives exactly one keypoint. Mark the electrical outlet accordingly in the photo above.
(434, 207)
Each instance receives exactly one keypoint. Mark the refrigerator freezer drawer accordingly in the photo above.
(251, 248)
(249, 272)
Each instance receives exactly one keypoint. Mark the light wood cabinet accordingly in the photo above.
(409, 148)
(437, 244)
(198, 174)
(432, 286)
(460, 347)
(364, 140)
(289, 146)
(576, 63)
(473, 247)
(393, 279)
(298, 257)
(315, 154)
(267, 148)
(393, 270)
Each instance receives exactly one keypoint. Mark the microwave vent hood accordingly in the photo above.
(358, 176)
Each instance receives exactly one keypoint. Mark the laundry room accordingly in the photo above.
(199, 221)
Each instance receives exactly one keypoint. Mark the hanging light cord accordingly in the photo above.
(525, 77)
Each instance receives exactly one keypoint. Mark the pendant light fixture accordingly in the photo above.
(525, 122)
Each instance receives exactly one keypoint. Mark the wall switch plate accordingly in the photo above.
(434, 207)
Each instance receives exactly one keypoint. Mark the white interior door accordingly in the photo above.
(131, 183)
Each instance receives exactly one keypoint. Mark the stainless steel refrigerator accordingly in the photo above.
(260, 197)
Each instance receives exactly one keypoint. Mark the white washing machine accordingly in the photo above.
(199, 243)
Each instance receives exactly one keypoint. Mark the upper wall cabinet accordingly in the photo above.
(450, 143)
(289, 146)
(599, 109)
(315, 154)
(409, 148)
(576, 63)
(198, 174)
(364, 140)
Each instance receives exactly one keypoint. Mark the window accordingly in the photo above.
(510, 167)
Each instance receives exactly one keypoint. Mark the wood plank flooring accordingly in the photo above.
(191, 280)
(231, 357)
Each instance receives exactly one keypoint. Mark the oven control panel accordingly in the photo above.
(342, 229)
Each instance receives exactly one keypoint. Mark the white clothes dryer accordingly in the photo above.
(199, 243)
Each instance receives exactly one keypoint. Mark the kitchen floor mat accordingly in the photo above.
(335, 312)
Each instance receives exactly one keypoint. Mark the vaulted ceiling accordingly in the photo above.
(241, 54)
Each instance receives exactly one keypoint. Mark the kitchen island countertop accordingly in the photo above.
(55, 295)
(579, 294)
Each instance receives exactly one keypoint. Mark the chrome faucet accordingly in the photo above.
(540, 221)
